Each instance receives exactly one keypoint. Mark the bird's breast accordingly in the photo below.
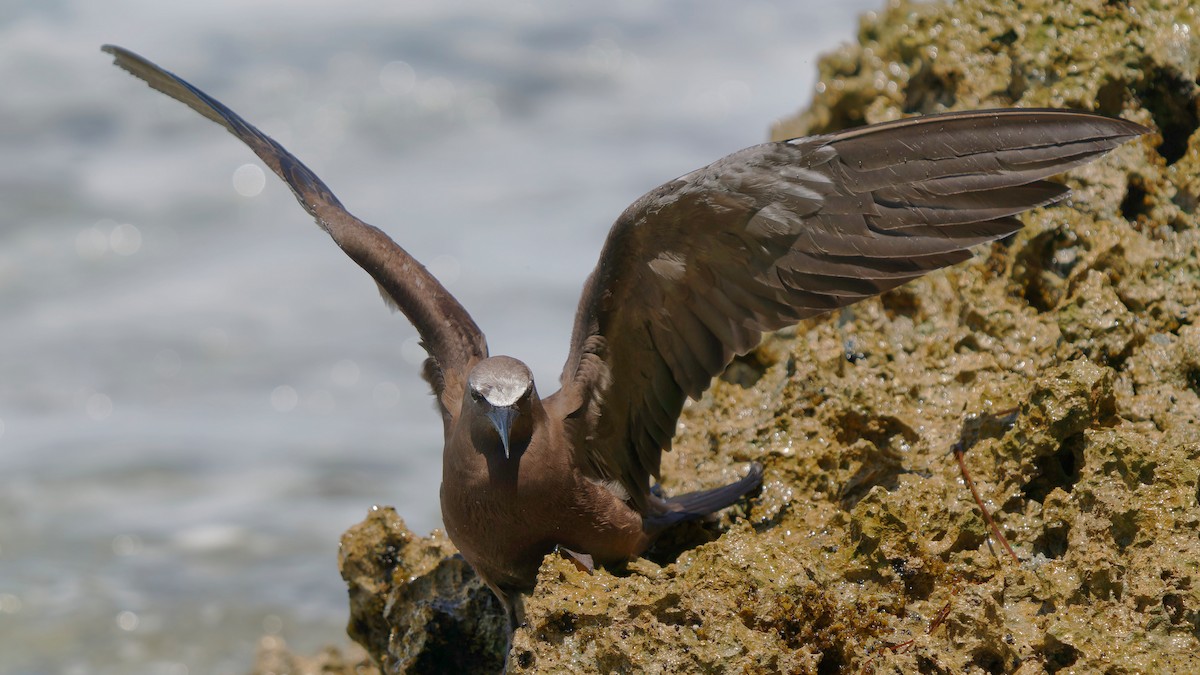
(504, 515)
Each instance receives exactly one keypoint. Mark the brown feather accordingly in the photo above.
(783, 231)
(447, 331)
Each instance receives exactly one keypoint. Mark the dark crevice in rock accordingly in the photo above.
(1173, 605)
(928, 666)
(562, 624)
(1192, 376)
(929, 91)
(1124, 528)
(878, 430)
(1111, 98)
(1134, 204)
(883, 470)
(675, 541)
(991, 661)
(1171, 97)
(1058, 655)
(1042, 266)
(1053, 541)
(902, 301)
(1008, 37)
(1058, 470)
(667, 610)
(832, 661)
(1018, 81)
(453, 647)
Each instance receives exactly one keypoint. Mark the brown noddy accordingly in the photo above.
(692, 273)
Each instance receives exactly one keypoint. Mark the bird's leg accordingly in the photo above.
(972, 429)
(514, 617)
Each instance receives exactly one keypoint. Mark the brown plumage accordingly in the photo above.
(692, 273)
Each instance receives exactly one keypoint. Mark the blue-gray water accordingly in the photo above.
(198, 392)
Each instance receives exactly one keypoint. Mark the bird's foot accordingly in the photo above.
(583, 562)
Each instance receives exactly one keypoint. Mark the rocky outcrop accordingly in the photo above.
(415, 604)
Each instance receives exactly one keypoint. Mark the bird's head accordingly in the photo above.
(500, 389)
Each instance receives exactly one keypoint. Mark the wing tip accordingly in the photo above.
(121, 56)
(1118, 128)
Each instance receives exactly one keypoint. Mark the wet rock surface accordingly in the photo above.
(864, 551)
(415, 604)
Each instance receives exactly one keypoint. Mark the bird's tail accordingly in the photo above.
(694, 505)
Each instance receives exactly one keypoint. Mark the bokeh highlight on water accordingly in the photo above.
(198, 392)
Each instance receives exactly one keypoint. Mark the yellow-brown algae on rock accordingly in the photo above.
(865, 552)
(415, 605)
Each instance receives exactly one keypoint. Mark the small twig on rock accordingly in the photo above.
(904, 647)
(972, 427)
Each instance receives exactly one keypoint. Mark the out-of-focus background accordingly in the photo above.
(198, 391)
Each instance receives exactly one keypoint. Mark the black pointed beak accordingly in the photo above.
(502, 419)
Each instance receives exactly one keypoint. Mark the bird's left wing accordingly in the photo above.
(447, 331)
(695, 271)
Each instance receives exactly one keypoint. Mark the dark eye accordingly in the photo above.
(476, 396)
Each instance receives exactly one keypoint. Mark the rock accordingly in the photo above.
(275, 659)
(415, 604)
(865, 552)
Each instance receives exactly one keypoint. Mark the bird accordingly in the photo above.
(692, 274)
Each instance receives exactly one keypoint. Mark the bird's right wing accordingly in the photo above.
(447, 331)
(695, 271)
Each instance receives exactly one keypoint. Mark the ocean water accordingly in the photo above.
(198, 392)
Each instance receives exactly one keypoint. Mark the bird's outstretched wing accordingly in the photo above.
(695, 271)
(447, 331)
